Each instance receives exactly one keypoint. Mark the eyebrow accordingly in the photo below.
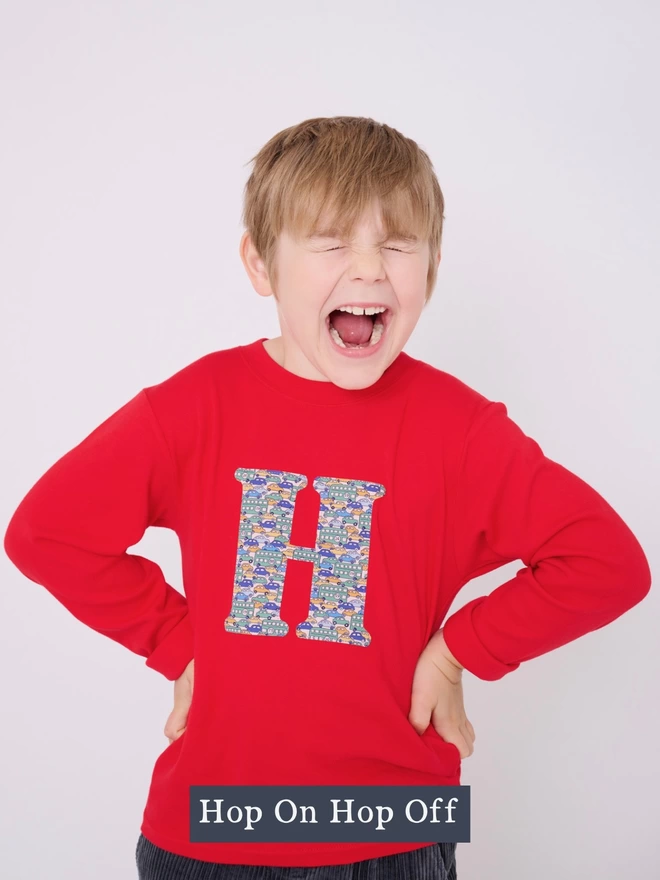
(326, 232)
(333, 232)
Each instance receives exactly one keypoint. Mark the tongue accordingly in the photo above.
(353, 329)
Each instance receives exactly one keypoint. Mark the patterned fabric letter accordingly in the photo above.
(340, 557)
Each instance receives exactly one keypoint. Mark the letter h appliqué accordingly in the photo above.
(340, 557)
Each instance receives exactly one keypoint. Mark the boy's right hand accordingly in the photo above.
(183, 690)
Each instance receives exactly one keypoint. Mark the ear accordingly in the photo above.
(438, 258)
(254, 266)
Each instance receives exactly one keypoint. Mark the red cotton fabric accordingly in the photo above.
(305, 641)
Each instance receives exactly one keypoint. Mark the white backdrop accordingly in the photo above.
(126, 129)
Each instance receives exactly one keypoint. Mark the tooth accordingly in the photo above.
(376, 333)
(358, 310)
(336, 337)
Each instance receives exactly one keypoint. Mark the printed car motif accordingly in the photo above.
(340, 557)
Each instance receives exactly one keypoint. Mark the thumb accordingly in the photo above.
(424, 694)
(420, 711)
(176, 723)
(183, 692)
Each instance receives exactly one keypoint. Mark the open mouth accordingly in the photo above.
(353, 329)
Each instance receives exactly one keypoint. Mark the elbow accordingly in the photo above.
(644, 586)
(17, 540)
(643, 574)
(628, 590)
(630, 569)
(635, 582)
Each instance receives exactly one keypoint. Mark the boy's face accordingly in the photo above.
(319, 274)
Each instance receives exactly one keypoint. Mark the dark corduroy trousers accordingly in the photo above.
(435, 862)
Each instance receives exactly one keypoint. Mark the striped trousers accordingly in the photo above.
(435, 862)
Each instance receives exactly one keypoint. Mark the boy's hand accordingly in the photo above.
(437, 696)
(183, 690)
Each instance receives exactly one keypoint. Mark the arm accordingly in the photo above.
(71, 531)
(583, 565)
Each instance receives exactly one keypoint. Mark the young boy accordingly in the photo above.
(331, 495)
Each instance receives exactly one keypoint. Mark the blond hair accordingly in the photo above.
(337, 166)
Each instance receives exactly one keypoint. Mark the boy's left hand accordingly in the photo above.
(177, 721)
(437, 696)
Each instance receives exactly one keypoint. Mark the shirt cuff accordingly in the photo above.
(464, 643)
(175, 651)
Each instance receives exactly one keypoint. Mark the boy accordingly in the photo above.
(318, 657)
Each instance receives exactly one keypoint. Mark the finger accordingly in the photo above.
(463, 746)
(177, 720)
(419, 720)
(467, 739)
(459, 741)
(176, 735)
(423, 701)
(456, 734)
(421, 709)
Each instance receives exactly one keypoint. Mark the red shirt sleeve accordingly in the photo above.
(71, 531)
(583, 565)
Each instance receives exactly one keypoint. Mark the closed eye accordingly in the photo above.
(399, 250)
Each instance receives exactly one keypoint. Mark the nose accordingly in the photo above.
(366, 265)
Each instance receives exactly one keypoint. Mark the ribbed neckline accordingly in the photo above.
(313, 390)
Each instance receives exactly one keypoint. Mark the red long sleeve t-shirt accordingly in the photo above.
(324, 534)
